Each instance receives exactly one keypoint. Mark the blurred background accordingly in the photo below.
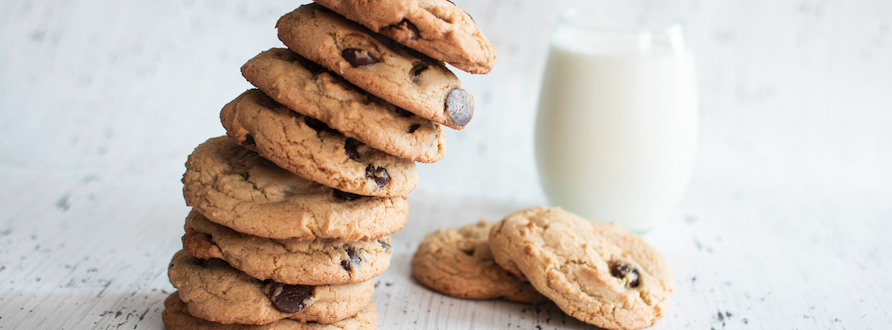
(97, 94)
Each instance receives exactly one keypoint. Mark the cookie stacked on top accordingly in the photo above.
(292, 210)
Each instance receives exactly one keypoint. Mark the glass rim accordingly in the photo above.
(619, 22)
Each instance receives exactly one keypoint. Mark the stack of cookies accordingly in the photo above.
(598, 273)
(292, 210)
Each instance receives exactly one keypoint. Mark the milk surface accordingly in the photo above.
(616, 132)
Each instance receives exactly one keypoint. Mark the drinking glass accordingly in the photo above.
(617, 121)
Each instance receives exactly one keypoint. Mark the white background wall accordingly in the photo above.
(95, 90)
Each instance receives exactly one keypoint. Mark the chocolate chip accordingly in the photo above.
(623, 270)
(413, 128)
(317, 125)
(354, 259)
(289, 298)
(417, 69)
(384, 244)
(249, 140)
(350, 148)
(358, 57)
(403, 113)
(460, 106)
(344, 195)
(213, 263)
(406, 25)
(379, 174)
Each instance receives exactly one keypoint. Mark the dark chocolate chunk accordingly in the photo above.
(214, 263)
(417, 69)
(413, 128)
(384, 244)
(623, 270)
(406, 25)
(358, 57)
(344, 195)
(289, 298)
(249, 140)
(379, 174)
(350, 148)
(317, 125)
(354, 259)
(460, 106)
(403, 113)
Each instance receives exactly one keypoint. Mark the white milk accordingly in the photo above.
(616, 131)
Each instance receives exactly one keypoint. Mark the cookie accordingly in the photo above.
(288, 261)
(313, 91)
(437, 28)
(309, 148)
(214, 291)
(598, 273)
(237, 188)
(457, 262)
(379, 65)
(176, 317)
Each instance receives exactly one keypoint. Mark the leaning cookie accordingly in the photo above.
(288, 261)
(176, 317)
(214, 291)
(237, 188)
(437, 28)
(313, 91)
(309, 148)
(457, 262)
(598, 273)
(407, 79)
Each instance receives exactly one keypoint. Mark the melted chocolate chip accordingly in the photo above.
(413, 128)
(403, 113)
(384, 244)
(623, 270)
(354, 259)
(249, 140)
(460, 106)
(317, 125)
(350, 148)
(213, 263)
(344, 195)
(379, 174)
(406, 25)
(289, 298)
(358, 57)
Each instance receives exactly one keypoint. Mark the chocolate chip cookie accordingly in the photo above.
(408, 79)
(437, 28)
(288, 261)
(214, 291)
(237, 188)
(598, 273)
(176, 317)
(309, 148)
(457, 262)
(314, 91)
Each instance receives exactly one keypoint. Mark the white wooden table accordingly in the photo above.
(80, 254)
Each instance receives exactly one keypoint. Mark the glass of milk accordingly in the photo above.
(616, 128)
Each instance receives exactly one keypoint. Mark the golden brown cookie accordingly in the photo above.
(437, 28)
(379, 65)
(309, 148)
(314, 91)
(214, 291)
(598, 273)
(237, 188)
(176, 317)
(289, 261)
(457, 262)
